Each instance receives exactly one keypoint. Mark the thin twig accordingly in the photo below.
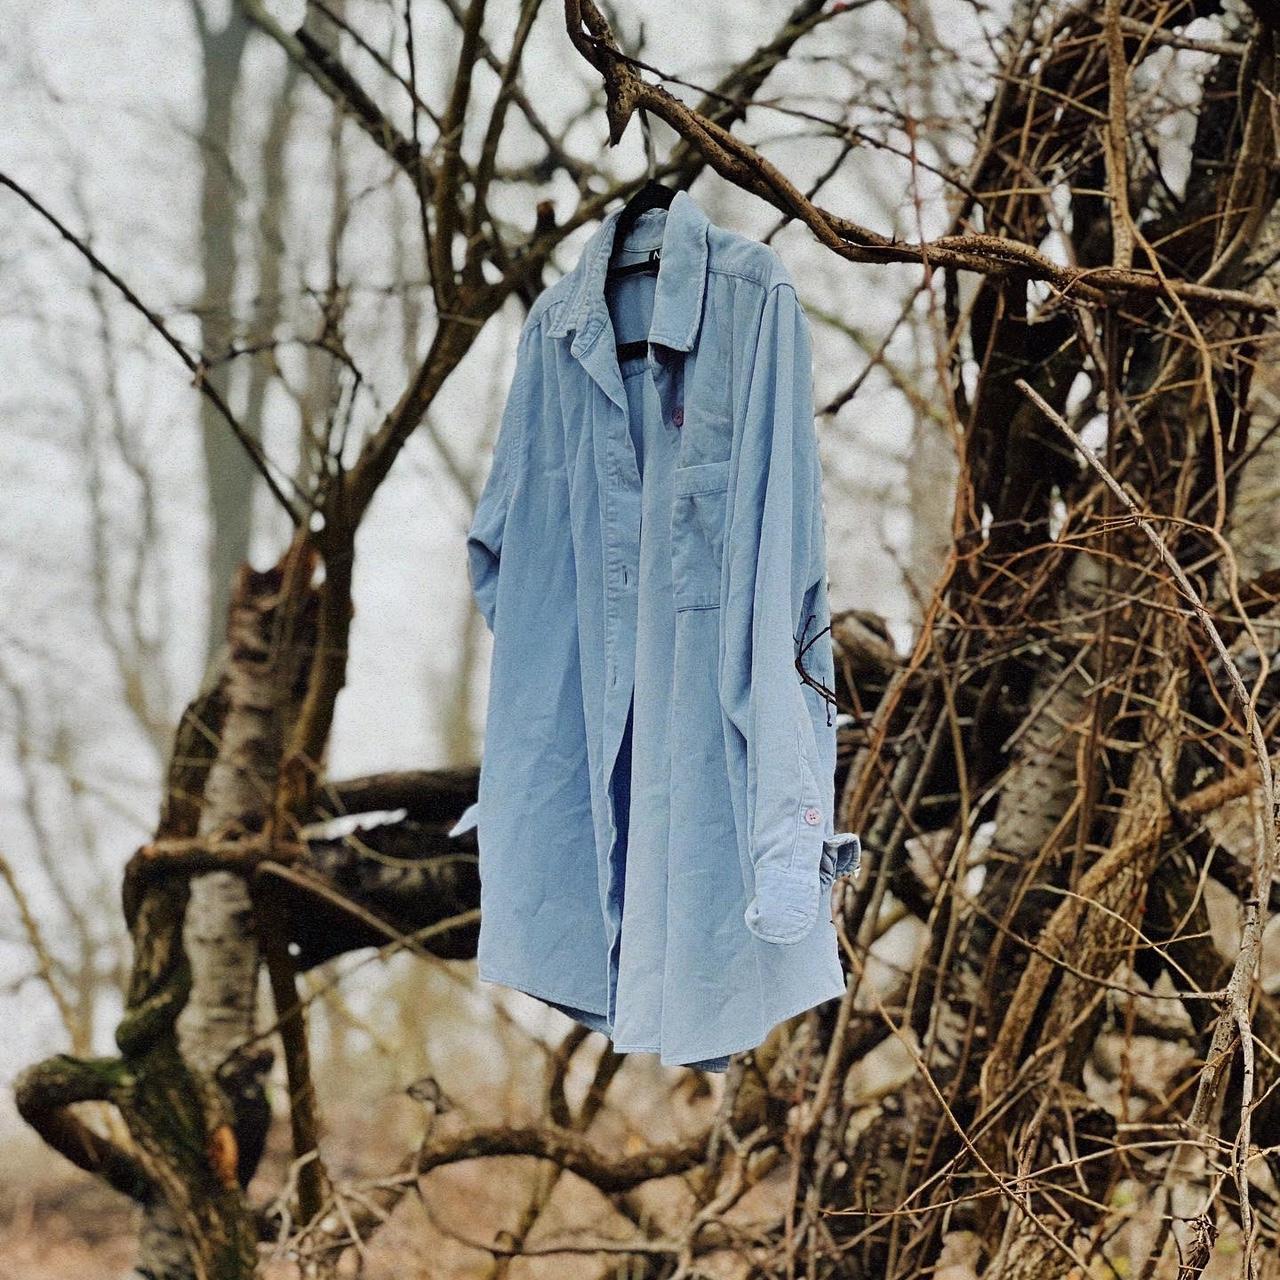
(197, 367)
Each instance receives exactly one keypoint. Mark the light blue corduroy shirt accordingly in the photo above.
(656, 804)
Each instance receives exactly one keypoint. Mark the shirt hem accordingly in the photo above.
(539, 993)
(811, 1001)
(803, 1005)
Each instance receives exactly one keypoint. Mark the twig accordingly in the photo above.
(197, 367)
(1117, 136)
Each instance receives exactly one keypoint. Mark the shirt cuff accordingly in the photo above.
(841, 856)
(784, 907)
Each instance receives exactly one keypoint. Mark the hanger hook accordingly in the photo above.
(651, 159)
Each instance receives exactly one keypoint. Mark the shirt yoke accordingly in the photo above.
(548, 303)
(732, 254)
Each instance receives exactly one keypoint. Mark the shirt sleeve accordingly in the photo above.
(774, 605)
(484, 537)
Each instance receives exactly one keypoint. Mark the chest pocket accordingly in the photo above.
(697, 533)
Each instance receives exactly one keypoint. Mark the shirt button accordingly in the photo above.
(677, 415)
(812, 816)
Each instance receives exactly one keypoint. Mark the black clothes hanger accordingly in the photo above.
(653, 195)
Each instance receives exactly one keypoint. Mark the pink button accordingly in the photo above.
(812, 816)
(677, 415)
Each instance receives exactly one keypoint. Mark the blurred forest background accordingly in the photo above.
(278, 201)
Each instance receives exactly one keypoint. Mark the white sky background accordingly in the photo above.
(103, 108)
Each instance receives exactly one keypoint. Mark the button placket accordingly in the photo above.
(622, 503)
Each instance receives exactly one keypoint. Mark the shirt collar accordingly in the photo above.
(682, 278)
